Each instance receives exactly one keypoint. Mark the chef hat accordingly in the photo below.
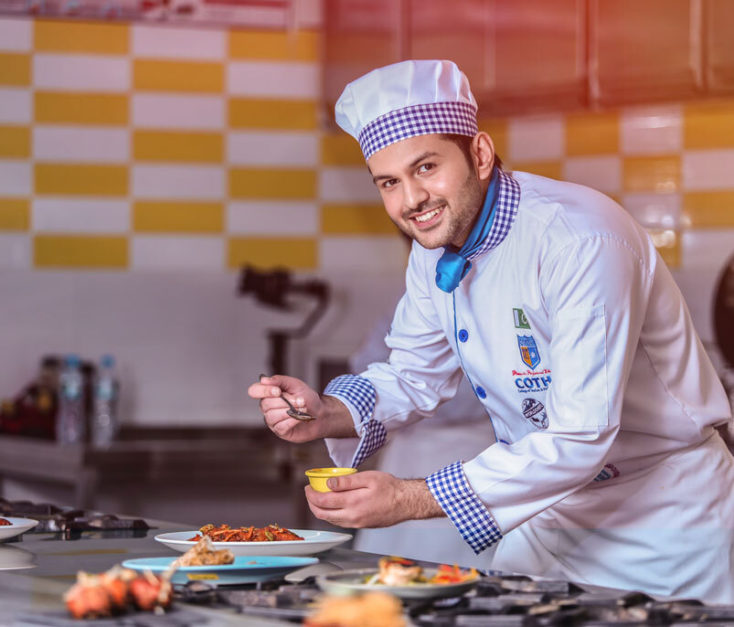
(406, 99)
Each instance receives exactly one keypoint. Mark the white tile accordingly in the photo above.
(177, 253)
(363, 255)
(16, 178)
(16, 106)
(602, 173)
(16, 35)
(265, 149)
(81, 72)
(536, 138)
(272, 218)
(347, 185)
(273, 79)
(15, 252)
(80, 215)
(707, 169)
(651, 130)
(161, 41)
(81, 144)
(654, 210)
(184, 182)
(178, 111)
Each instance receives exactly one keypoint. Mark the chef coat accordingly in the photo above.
(579, 345)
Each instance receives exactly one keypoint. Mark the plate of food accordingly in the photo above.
(402, 578)
(253, 541)
(11, 527)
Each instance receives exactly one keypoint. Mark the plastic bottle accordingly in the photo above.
(105, 422)
(70, 421)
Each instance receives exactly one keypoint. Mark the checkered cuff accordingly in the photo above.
(466, 511)
(359, 393)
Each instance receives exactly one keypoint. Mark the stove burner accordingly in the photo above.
(69, 522)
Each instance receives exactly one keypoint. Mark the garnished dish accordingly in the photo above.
(372, 609)
(116, 591)
(403, 578)
(203, 553)
(5, 521)
(11, 527)
(225, 533)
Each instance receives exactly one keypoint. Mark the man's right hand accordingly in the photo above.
(332, 419)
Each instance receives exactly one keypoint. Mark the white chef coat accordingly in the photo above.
(581, 348)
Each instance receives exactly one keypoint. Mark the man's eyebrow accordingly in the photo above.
(415, 162)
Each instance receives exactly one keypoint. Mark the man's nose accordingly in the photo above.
(414, 194)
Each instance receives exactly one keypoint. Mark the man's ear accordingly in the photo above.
(482, 150)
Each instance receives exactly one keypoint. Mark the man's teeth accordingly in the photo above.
(427, 216)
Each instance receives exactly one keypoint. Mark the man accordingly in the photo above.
(607, 468)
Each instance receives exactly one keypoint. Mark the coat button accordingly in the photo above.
(463, 335)
(480, 392)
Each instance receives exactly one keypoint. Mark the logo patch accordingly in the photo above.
(521, 320)
(528, 350)
(610, 471)
(535, 412)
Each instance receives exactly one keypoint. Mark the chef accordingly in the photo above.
(608, 468)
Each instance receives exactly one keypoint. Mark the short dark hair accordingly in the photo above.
(464, 142)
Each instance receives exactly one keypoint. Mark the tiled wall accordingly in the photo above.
(140, 165)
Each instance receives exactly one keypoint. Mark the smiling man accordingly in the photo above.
(608, 467)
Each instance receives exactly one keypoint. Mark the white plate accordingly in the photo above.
(353, 581)
(16, 527)
(313, 542)
(244, 569)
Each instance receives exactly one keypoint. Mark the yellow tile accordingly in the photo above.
(80, 37)
(651, 174)
(667, 243)
(278, 114)
(497, 129)
(15, 142)
(15, 214)
(551, 169)
(356, 220)
(274, 45)
(88, 108)
(297, 253)
(178, 217)
(80, 251)
(178, 146)
(709, 125)
(188, 76)
(709, 209)
(15, 69)
(592, 134)
(340, 149)
(280, 183)
(76, 179)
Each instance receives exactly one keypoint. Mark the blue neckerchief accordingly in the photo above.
(454, 264)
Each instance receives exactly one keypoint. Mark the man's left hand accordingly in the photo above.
(372, 499)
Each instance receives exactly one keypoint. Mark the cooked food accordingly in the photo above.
(374, 609)
(3, 522)
(398, 571)
(203, 553)
(112, 592)
(224, 533)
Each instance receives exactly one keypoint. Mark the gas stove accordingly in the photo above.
(496, 601)
(70, 522)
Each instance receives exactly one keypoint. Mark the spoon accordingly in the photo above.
(292, 411)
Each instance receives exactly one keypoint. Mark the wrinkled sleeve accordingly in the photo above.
(595, 292)
(421, 373)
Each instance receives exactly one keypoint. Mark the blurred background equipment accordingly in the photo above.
(275, 288)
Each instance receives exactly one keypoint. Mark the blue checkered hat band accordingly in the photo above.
(459, 118)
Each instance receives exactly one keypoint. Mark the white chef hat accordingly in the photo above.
(406, 99)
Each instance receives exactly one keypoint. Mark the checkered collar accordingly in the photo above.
(508, 200)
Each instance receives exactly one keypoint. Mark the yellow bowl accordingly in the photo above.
(317, 476)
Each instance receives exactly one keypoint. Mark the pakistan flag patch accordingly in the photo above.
(521, 321)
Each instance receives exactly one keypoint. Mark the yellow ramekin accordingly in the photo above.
(317, 476)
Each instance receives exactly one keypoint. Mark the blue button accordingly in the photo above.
(480, 392)
(463, 335)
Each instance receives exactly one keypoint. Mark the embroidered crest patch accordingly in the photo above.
(535, 412)
(528, 350)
